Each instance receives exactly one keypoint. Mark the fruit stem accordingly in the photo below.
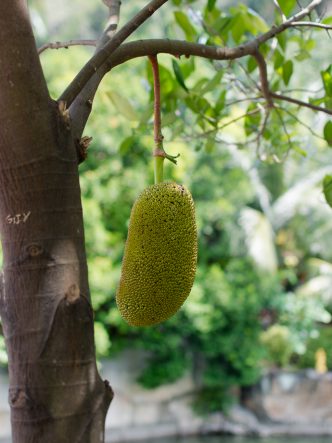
(158, 169)
(158, 153)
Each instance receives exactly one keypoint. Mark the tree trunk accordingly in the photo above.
(56, 393)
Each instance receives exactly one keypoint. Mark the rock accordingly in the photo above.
(244, 417)
(302, 397)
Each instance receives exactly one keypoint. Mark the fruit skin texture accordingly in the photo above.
(160, 257)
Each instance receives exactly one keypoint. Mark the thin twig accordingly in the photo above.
(312, 25)
(311, 91)
(300, 103)
(261, 131)
(59, 45)
(234, 120)
(81, 79)
(249, 77)
(241, 85)
(263, 78)
(289, 140)
(82, 105)
(277, 6)
(114, 15)
(287, 111)
(241, 100)
(112, 22)
(217, 138)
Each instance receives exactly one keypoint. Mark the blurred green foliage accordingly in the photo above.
(3, 353)
(321, 341)
(277, 341)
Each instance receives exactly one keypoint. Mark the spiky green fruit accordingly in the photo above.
(159, 263)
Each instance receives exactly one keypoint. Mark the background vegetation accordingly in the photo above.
(262, 296)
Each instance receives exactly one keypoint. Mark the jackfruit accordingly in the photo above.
(159, 263)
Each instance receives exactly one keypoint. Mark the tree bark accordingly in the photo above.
(55, 393)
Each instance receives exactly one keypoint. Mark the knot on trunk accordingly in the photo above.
(73, 293)
(109, 390)
(18, 398)
(34, 250)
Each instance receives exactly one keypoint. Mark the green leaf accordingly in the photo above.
(223, 25)
(317, 101)
(211, 4)
(327, 80)
(278, 59)
(210, 145)
(238, 27)
(198, 86)
(126, 144)
(305, 48)
(252, 64)
(167, 80)
(328, 132)
(327, 20)
(220, 104)
(255, 23)
(213, 83)
(287, 71)
(287, 6)
(145, 115)
(123, 105)
(327, 189)
(282, 40)
(179, 75)
(184, 23)
(251, 122)
(299, 150)
(197, 103)
(169, 119)
(187, 67)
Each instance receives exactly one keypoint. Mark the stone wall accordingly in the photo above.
(292, 403)
(300, 401)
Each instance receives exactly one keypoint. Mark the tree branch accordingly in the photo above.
(82, 105)
(275, 30)
(263, 78)
(261, 131)
(26, 111)
(300, 103)
(91, 67)
(113, 20)
(312, 25)
(59, 45)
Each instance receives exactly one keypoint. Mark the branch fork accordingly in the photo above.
(264, 82)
